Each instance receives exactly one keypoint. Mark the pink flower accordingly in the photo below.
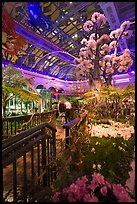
(128, 34)
(94, 199)
(88, 25)
(107, 184)
(103, 190)
(92, 44)
(95, 16)
(73, 188)
(84, 179)
(87, 198)
(71, 198)
(98, 178)
(120, 192)
(125, 25)
(55, 197)
(92, 186)
(65, 191)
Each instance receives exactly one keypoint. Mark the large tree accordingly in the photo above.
(100, 57)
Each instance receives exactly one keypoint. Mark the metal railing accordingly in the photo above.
(75, 123)
(29, 157)
(13, 125)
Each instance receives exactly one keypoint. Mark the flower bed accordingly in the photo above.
(113, 130)
(96, 189)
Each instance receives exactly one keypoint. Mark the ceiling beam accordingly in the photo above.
(42, 43)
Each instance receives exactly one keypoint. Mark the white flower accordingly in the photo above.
(93, 149)
(94, 166)
(84, 41)
(89, 126)
(99, 167)
(96, 143)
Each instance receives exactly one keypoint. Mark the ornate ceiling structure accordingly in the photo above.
(54, 30)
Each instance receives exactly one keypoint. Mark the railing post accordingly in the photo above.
(43, 155)
(54, 154)
(67, 137)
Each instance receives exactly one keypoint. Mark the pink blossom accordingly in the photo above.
(105, 47)
(84, 179)
(128, 34)
(126, 51)
(119, 191)
(71, 198)
(80, 182)
(55, 197)
(65, 191)
(107, 57)
(73, 188)
(94, 198)
(107, 184)
(98, 178)
(91, 44)
(84, 41)
(113, 44)
(103, 190)
(103, 39)
(83, 190)
(92, 36)
(125, 25)
(87, 198)
(93, 185)
(94, 16)
(88, 25)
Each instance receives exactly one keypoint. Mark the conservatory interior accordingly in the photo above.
(79, 56)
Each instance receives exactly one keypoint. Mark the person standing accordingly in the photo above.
(62, 111)
(68, 111)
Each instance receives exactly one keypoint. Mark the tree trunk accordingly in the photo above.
(94, 76)
(108, 80)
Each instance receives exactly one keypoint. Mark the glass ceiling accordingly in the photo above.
(54, 30)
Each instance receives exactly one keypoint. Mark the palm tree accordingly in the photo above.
(13, 84)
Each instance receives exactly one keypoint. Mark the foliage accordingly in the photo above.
(110, 92)
(111, 155)
(13, 83)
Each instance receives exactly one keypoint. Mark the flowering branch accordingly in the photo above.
(95, 58)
